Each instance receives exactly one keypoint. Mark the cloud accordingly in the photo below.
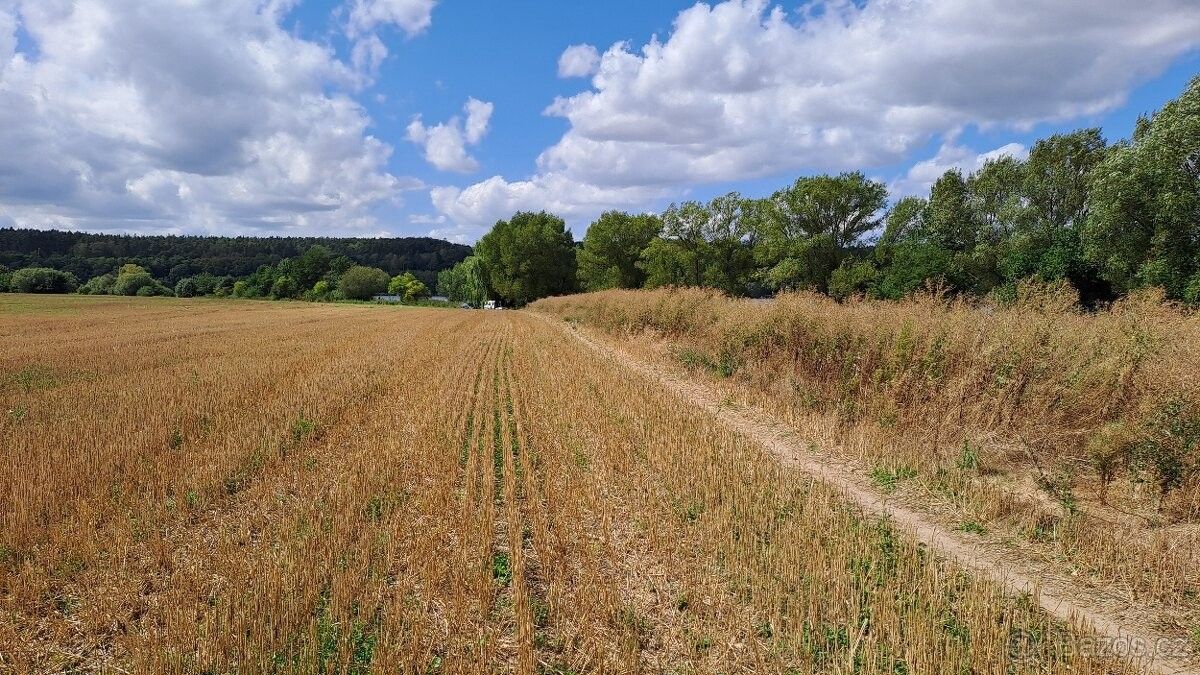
(368, 16)
(204, 116)
(578, 61)
(479, 206)
(446, 144)
(411, 16)
(922, 175)
(742, 89)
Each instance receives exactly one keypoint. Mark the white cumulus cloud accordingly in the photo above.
(578, 61)
(365, 19)
(411, 16)
(922, 175)
(200, 116)
(446, 144)
(742, 88)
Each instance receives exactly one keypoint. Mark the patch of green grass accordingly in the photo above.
(302, 428)
(888, 479)
(502, 568)
(34, 377)
(692, 512)
(968, 458)
(972, 526)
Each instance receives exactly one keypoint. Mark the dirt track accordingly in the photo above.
(1118, 633)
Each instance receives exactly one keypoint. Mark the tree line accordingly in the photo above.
(172, 258)
(1106, 218)
(316, 275)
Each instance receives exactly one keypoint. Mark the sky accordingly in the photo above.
(439, 117)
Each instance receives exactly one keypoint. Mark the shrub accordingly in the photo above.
(129, 282)
(186, 288)
(101, 285)
(42, 280)
(361, 283)
(284, 287)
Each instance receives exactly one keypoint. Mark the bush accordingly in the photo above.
(101, 285)
(133, 283)
(42, 280)
(186, 288)
(284, 287)
(5, 281)
(408, 287)
(361, 283)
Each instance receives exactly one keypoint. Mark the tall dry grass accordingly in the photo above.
(1076, 430)
(241, 487)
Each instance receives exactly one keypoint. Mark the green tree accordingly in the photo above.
(703, 245)
(312, 266)
(611, 250)
(853, 278)
(464, 282)
(283, 288)
(997, 197)
(408, 287)
(101, 285)
(949, 221)
(1144, 225)
(42, 280)
(530, 256)
(185, 288)
(131, 279)
(362, 283)
(1047, 240)
(804, 231)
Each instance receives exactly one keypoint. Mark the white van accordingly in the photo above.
(490, 304)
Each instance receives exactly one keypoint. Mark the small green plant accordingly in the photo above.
(1060, 487)
(176, 440)
(973, 527)
(888, 479)
(502, 568)
(968, 459)
(541, 612)
(34, 378)
(302, 427)
(18, 413)
(1169, 448)
(375, 508)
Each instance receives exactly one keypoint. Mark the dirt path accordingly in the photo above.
(1116, 632)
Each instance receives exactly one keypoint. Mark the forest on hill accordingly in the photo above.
(171, 258)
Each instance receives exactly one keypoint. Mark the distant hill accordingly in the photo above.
(171, 258)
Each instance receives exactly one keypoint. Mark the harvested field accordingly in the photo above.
(222, 486)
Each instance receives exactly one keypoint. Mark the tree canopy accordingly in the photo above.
(529, 256)
(612, 248)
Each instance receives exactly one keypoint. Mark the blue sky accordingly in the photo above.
(283, 116)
